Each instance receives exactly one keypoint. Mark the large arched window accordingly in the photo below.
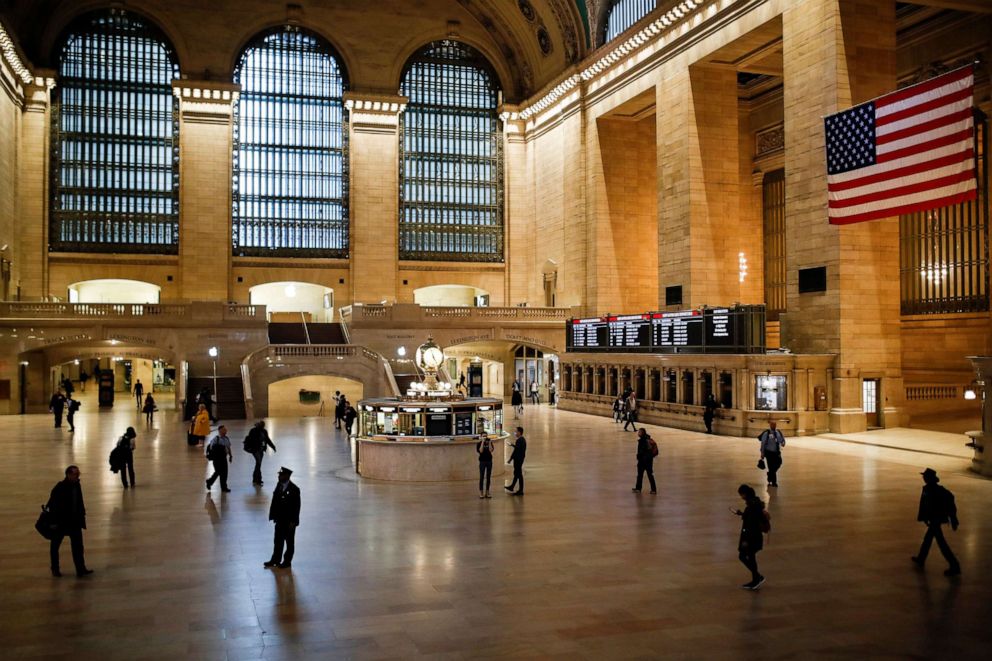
(451, 157)
(623, 14)
(115, 139)
(290, 185)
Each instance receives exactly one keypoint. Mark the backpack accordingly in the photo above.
(215, 451)
(74, 405)
(116, 458)
(766, 522)
(251, 442)
(654, 447)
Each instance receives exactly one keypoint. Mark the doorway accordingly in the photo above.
(869, 402)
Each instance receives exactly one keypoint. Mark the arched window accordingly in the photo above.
(624, 13)
(451, 157)
(115, 139)
(290, 181)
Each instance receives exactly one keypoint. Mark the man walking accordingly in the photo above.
(349, 416)
(285, 512)
(56, 405)
(772, 441)
(338, 409)
(937, 508)
(647, 450)
(535, 398)
(218, 451)
(517, 458)
(71, 406)
(139, 393)
(256, 443)
(66, 506)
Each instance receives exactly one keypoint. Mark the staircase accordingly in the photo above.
(326, 334)
(229, 398)
(306, 333)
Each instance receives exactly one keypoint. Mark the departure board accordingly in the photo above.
(736, 329)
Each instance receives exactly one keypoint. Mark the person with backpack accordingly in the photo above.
(755, 521)
(218, 452)
(56, 405)
(256, 443)
(937, 508)
(125, 456)
(71, 406)
(647, 450)
(772, 441)
(66, 506)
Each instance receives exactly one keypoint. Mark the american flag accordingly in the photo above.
(907, 151)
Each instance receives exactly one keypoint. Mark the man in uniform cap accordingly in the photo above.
(285, 512)
(937, 508)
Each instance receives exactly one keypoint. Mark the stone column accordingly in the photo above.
(374, 147)
(32, 191)
(839, 53)
(699, 233)
(205, 161)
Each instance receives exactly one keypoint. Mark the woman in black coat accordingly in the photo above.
(753, 521)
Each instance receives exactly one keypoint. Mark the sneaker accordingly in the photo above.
(757, 584)
(653, 491)
(226, 490)
(508, 489)
(84, 572)
(488, 495)
(748, 586)
(56, 573)
(482, 495)
(953, 571)
(285, 565)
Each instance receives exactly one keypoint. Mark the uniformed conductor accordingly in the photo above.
(285, 512)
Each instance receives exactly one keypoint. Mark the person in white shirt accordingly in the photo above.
(218, 451)
(772, 441)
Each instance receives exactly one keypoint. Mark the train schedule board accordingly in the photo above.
(734, 329)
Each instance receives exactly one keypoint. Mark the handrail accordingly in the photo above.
(306, 331)
(159, 311)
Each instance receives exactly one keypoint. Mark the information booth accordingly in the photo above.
(427, 440)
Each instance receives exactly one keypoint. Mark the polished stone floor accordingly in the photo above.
(578, 568)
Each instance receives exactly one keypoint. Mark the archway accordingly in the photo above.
(311, 395)
(451, 296)
(111, 290)
(292, 301)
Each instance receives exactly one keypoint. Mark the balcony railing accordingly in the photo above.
(160, 312)
(375, 314)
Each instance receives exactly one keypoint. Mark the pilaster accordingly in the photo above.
(374, 149)
(32, 189)
(206, 113)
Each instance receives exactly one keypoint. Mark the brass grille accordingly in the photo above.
(290, 183)
(451, 158)
(944, 253)
(773, 213)
(115, 148)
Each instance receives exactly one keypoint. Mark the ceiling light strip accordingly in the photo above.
(665, 23)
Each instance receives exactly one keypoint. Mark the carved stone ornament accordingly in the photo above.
(769, 140)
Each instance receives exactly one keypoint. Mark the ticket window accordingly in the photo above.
(770, 393)
(726, 396)
(671, 386)
(705, 386)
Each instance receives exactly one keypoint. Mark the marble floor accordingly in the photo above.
(579, 568)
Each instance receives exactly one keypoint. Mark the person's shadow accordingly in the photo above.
(212, 511)
(285, 587)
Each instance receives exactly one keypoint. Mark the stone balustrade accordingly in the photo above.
(156, 313)
(413, 315)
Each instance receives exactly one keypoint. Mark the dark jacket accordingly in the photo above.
(349, 415)
(57, 402)
(754, 513)
(644, 454)
(711, 407)
(937, 506)
(66, 504)
(485, 453)
(285, 507)
(258, 440)
(519, 451)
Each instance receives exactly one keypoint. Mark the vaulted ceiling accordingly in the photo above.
(529, 42)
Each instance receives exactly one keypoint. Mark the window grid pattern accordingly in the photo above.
(115, 148)
(624, 13)
(773, 215)
(290, 177)
(944, 253)
(451, 158)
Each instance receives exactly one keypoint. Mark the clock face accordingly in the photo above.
(433, 356)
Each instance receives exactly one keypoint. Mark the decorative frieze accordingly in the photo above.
(206, 102)
(769, 141)
(374, 113)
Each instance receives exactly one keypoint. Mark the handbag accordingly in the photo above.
(46, 525)
(761, 464)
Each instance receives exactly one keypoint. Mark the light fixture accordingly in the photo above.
(741, 266)
(290, 291)
(401, 352)
(972, 389)
(212, 352)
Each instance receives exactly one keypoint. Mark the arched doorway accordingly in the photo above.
(311, 395)
(451, 296)
(292, 301)
(110, 290)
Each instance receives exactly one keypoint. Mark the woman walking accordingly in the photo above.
(517, 401)
(149, 408)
